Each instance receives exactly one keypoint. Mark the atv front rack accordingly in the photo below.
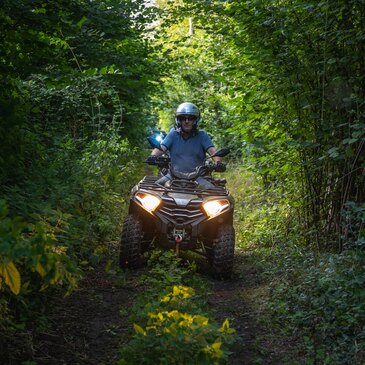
(149, 183)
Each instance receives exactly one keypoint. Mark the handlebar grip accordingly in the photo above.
(219, 167)
(158, 161)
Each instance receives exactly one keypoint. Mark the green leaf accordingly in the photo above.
(11, 276)
(350, 140)
(139, 329)
(81, 22)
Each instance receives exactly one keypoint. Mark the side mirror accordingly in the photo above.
(154, 143)
(221, 152)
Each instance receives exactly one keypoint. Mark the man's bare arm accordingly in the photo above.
(212, 151)
(157, 152)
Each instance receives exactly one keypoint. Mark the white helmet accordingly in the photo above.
(187, 110)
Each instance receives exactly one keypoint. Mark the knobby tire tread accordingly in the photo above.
(130, 244)
(223, 252)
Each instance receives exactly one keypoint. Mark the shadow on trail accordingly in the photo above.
(90, 326)
(237, 300)
(87, 327)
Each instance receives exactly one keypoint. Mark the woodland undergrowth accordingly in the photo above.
(281, 85)
(315, 299)
(172, 321)
(64, 227)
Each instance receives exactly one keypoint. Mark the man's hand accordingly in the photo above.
(220, 167)
(151, 159)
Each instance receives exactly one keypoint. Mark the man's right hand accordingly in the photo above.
(151, 159)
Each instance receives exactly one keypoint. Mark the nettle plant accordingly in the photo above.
(175, 327)
(175, 337)
(26, 249)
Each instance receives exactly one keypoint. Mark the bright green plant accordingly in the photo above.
(263, 216)
(175, 327)
(32, 262)
(27, 248)
(174, 337)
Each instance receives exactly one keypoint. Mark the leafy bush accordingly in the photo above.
(176, 329)
(263, 216)
(107, 169)
(175, 337)
(31, 261)
(322, 300)
(27, 248)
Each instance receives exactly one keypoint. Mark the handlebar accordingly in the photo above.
(160, 161)
(199, 171)
(164, 161)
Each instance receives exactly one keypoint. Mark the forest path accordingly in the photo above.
(90, 326)
(238, 300)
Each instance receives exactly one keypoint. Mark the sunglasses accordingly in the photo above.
(189, 118)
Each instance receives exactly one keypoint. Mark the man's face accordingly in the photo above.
(187, 123)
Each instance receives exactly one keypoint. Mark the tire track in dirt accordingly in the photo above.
(237, 300)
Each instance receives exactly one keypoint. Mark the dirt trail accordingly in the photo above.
(237, 300)
(89, 326)
(228, 300)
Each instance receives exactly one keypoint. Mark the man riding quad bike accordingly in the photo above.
(181, 209)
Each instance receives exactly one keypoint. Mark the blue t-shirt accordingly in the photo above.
(186, 154)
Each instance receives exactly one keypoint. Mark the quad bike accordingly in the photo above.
(182, 216)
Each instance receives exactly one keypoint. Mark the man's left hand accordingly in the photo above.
(220, 167)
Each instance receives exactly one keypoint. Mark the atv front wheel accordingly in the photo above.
(222, 253)
(130, 243)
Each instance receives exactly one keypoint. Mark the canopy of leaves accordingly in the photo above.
(283, 84)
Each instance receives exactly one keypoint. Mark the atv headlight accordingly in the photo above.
(148, 201)
(215, 207)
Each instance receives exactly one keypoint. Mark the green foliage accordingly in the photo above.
(34, 248)
(107, 169)
(176, 329)
(354, 223)
(165, 272)
(32, 261)
(320, 300)
(74, 75)
(75, 78)
(279, 83)
(314, 300)
(69, 68)
(282, 84)
(262, 217)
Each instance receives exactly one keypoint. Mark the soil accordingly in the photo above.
(237, 300)
(90, 326)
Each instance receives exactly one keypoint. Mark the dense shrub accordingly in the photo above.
(263, 215)
(108, 167)
(321, 301)
(31, 261)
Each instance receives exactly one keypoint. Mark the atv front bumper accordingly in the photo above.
(186, 226)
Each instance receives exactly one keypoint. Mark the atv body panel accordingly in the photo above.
(180, 213)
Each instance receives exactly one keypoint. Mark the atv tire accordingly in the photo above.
(130, 243)
(222, 252)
